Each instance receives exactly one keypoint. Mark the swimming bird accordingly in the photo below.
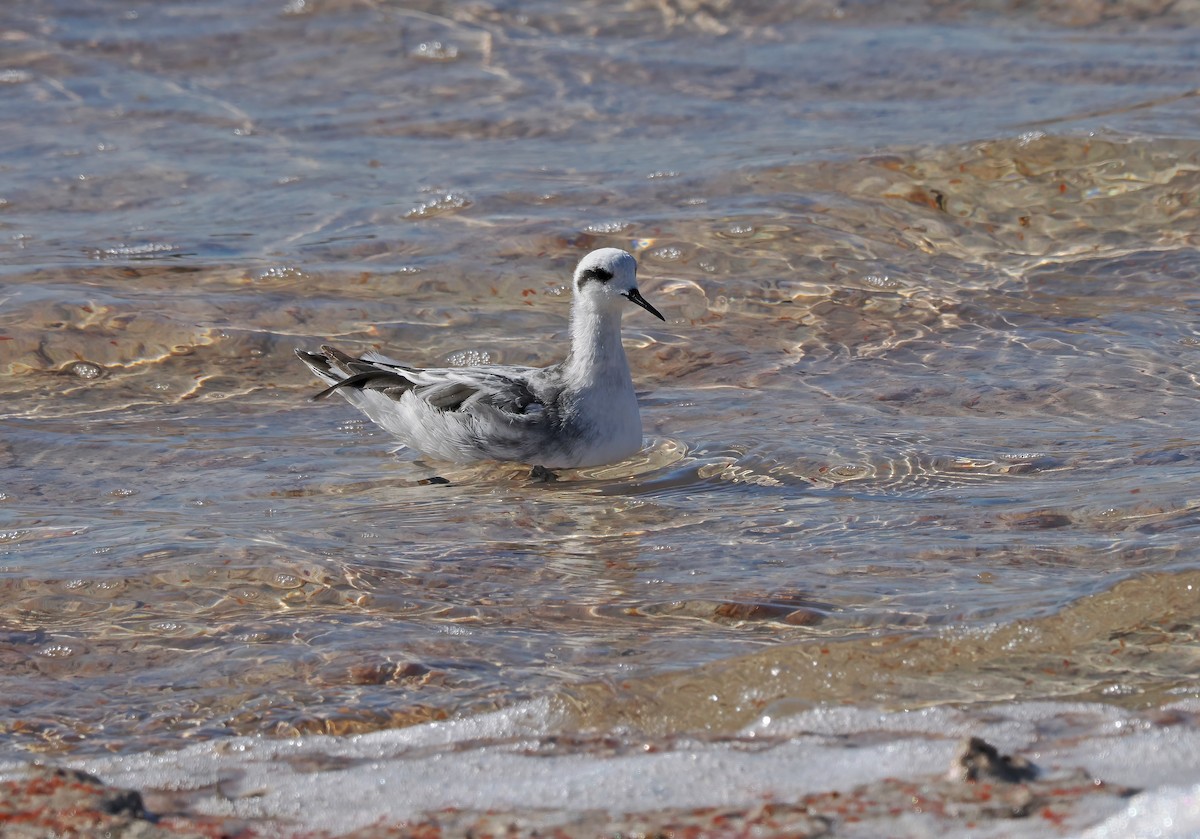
(581, 411)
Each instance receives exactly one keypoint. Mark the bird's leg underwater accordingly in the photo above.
(542, 475)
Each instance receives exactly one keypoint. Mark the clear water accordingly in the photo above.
(922, 424)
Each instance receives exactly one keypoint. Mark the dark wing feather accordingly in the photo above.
(355, 373)
(446, 396)
(450, 390)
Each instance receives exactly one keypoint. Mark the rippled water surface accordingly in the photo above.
(921, 425)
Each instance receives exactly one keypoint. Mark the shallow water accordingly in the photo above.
(921, 426)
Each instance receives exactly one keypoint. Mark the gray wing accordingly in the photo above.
(448, 389)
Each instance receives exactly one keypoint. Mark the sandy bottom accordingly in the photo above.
(1034, 769)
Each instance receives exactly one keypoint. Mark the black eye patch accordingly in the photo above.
(600, 275)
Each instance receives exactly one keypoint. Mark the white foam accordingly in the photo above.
(1167, 813)
(510, 760)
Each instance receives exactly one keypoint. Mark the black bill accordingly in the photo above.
(636, 297)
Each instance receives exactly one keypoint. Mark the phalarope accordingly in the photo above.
(579, 412)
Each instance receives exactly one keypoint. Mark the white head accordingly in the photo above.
(606, 275)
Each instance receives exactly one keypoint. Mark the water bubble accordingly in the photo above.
(881, 281)
(435, 51)
(251, 637)
(607, 227)
(669, 253)
(1118, 690)
(281, 272)
(84, 370)
(148, 250)
(448, 202)
(469, 358)
(282, 579)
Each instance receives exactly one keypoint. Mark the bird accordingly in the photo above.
(577, 413)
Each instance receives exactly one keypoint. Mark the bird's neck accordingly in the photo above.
(596, 351)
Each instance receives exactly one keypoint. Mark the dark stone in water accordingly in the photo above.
(979, 760)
